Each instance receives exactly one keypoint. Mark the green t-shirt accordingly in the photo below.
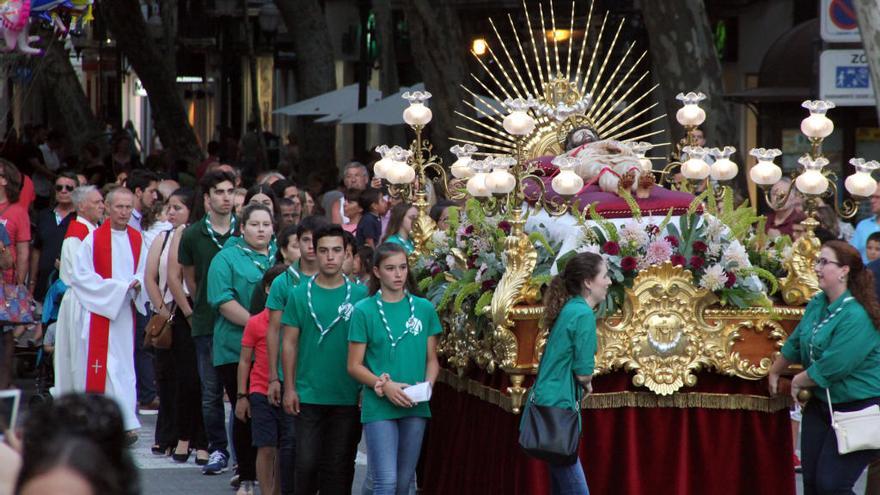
(407, 244)
(282, 286)
(233, 275)
(846, 349)
(406, 364)
(321, 366)
(197, 249)
(570, 351)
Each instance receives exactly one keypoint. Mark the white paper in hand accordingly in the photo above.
(420, 392)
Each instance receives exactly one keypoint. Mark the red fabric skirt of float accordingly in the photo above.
(471, 446)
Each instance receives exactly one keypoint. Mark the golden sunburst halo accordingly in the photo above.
(601, 93)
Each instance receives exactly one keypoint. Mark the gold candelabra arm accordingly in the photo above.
(846, 209)
(778, 204)
(554, 207)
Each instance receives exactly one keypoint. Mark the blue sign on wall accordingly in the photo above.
(852, 77)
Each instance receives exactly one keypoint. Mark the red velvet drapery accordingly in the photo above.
(471, 447)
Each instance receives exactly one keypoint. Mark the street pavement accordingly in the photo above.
(162, 476)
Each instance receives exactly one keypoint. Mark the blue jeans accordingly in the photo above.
(212, 395)
(826, 472)
(393, 448)
(144, 366)
(568, 480)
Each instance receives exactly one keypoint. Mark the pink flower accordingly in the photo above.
(628, 264)
(658, 252)
(611, 248)
(677, 259)
(436, 270)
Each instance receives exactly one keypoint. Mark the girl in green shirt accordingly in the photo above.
(392, 345)
(400, 226)
(838, 345)
(234, 274)
(571, 349)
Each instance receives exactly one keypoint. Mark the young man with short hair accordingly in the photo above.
(279, 295)
(199, 243)
(145, 186)
(318, 389)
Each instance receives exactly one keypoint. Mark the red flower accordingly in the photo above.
(731, 279)
(628, 264)
(469, 230)
(505, 226)
(652, 229)
(489, 285)
(672, 240)
(700, 247)
(678, 260)
(611, 248)
(436, 270)
(696, 261)
(472, 262)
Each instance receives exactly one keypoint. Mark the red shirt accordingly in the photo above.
(27, 194)
(18, 224)
(255, 338)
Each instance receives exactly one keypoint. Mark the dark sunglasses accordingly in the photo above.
(62, 187)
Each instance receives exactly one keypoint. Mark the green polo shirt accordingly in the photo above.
(407, 244)
(321, 365)
(846, 349)
(282, 286)
(570, 351)
(197, 249)
(233, 275)
(406, 364)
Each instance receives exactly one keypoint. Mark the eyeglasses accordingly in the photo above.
(821, 262)
(62, 187)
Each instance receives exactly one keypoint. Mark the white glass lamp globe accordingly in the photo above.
(695, 168)
(765, 172)
(400, 173)
(861, 184)
(462, 169)
(500, 180)
(566, 182)
(811, 182)
(476, 186)
(690, 114)
(518, 122)
(417, 113)
(380, 168)
(817, 125)
(723, 168)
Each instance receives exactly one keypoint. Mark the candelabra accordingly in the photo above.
(406, 170)
(812, 181)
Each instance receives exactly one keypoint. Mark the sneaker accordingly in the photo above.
(797, 464)
(217, 462)
(246, 488)
(149, 409)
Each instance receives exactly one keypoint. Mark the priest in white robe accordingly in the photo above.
(69, 354)
(108, 279)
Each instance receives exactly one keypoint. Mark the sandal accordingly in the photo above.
(202, 457)
(157, 449)
(181, 458)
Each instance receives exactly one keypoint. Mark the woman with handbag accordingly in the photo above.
(838, 345)
(179, 410)
(553, 404)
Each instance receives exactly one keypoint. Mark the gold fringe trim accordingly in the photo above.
(615, 400)
(684, 400)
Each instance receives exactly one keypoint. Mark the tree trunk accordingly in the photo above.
(389, 82)
(438, 51)
(133, 38)
(684, 59)
(314, 75)
(168, 12)
(868, 14)
(66, 92)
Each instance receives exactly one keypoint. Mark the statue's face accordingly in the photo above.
(580, 137)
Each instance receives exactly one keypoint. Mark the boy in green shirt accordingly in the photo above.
(279, 294)
(199, 243)
(318, 389)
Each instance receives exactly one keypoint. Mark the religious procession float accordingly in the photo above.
(701, 300)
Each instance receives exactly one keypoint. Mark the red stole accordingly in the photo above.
(76, 229)
(99, 326)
